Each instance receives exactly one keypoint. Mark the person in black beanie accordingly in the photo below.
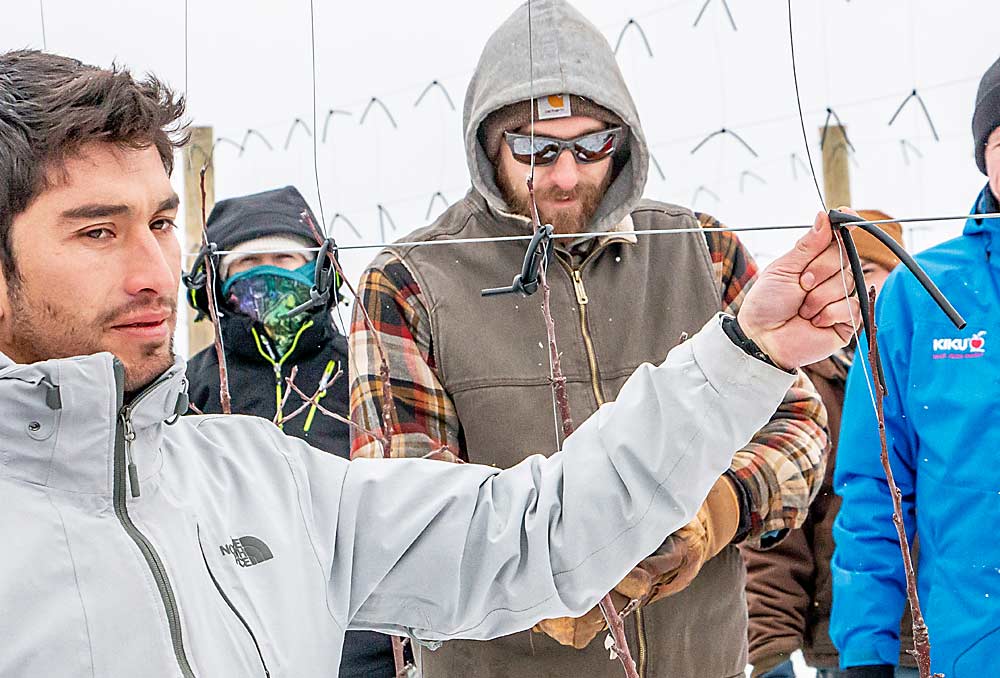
(940, 417)
(267, 272)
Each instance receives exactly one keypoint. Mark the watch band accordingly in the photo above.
(731, 326)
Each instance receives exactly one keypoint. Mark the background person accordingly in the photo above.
(789, 587)
(940, 419)
(467, 371)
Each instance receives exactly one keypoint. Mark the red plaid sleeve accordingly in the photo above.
(426, 421)
(781, 469)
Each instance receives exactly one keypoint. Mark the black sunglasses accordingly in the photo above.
(591, 147)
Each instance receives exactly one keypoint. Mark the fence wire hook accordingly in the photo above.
(642, 34)
(526, 282)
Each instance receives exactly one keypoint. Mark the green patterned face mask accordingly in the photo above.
(267, 294)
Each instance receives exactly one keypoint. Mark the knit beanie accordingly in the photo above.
(517, 115)
(870, 248)
(275, 243)
(987, 115)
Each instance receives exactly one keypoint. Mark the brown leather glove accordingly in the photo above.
(679, 560)
(578, 632)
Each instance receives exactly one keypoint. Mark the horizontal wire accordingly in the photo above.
(601, 234)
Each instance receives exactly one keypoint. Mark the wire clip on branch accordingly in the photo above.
(383, 218)
(376, 100)
(324, 282)
(298, 122)
(730, 133)
(915, 95)
(438, 195)
(725, 4)
(329, 114)
(435, 84)
(350, 224)
(642, 34)
(526, 282)
(752, 175)
(830, 113)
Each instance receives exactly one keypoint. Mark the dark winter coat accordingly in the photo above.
(789, 588)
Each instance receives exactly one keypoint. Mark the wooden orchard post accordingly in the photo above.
(836, 167)
(197, 154)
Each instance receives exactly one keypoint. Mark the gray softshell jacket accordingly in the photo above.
(233, 550)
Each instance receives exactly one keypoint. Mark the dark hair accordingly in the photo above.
(51, 105)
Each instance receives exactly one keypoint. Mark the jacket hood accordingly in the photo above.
(570, 56)
(277, 212)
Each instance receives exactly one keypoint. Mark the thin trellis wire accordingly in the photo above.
(312, 133)
(601, 234)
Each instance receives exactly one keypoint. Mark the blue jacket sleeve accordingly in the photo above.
(869, 582)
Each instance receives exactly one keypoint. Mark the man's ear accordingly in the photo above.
(5, 311)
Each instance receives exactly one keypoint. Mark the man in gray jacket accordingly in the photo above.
(137, 541)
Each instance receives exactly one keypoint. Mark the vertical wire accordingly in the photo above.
(41, 14)
(798, 102)
(315, 140)
(186, 29)
(531, 95)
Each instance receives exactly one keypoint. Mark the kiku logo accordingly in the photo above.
(957, 348)
(247, 551)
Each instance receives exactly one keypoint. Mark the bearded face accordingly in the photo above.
(567, 193)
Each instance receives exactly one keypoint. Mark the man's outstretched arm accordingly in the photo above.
(468, 551)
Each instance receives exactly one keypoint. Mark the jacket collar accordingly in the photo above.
(238, 334)
(61, 418)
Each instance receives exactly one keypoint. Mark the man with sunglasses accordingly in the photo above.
(470, 375)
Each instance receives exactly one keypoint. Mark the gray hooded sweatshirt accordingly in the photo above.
(232, 550)
(568, 56)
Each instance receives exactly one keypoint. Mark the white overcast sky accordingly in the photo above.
(248, 66)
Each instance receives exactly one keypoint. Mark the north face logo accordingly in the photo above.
(247, 551)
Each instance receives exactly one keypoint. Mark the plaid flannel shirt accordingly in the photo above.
(780, 470)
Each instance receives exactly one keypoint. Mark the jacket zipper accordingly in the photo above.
(267, 352)
(123, 465)
(232, 607)
(581, 301)
(323, 383)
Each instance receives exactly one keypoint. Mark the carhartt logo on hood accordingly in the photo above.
(964, 347)
(247, 551)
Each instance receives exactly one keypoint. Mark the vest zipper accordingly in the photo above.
(123, 465)
(581, 301)
(232, 607)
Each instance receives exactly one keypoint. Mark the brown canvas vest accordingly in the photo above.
(620, 306)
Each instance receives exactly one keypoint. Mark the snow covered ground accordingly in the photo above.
(801, 670)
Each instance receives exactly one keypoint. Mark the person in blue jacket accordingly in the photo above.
(944, 439)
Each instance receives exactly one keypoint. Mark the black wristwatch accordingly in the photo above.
(731, 326)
